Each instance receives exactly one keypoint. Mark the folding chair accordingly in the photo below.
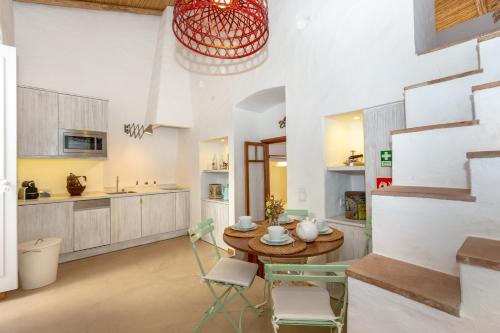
(233, 274)
(306, 306)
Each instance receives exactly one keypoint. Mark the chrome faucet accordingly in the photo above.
(117, 183)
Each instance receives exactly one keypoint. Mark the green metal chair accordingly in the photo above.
(306, 306)
(301, 214)
(235, 275)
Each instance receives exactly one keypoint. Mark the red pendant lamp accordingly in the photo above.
(226, 29)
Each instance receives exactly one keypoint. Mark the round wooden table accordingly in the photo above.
(313, 249)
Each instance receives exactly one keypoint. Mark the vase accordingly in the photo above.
(273, 220)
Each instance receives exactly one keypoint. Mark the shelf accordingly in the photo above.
(341, 219)
(216, 171)
(218, 201)
(352, 170)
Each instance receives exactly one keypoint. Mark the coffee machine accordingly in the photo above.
(28, 191)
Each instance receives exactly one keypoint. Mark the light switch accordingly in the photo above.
(302, 194)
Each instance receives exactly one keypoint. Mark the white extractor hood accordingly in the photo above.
(170, 92)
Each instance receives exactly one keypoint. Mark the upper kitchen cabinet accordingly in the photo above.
(37, 122)
(82, 113)
(43, 113)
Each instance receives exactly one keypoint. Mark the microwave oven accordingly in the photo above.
(82, 144)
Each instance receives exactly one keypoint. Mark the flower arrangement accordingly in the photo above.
(274, 207)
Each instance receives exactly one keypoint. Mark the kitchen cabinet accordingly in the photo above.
(45, 221)
(92, 224)
(182, 207)
(125, 218)
(82, 113)
(219, 212)
(37, 123)
(158, 213)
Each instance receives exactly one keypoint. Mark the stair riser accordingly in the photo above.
(440, 103)
(372, 309)
(480, 297)
(485, 176)
(487, 105)
(489, 53)
(428, 232)
(437, 158)
(450, 101)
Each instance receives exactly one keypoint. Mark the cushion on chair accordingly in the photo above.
(233, 271)
(302, 303)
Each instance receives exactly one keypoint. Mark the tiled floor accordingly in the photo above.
(152, 288)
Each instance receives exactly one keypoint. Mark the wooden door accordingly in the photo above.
(47, 220)
(255, 179)
(182, 220)
(158, 214)
(37, 123)
(92, 228)
(378, 124)
(8, 172)
(82, 113)
(125, 219)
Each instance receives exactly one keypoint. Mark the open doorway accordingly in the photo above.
(257, 118)
(276, 163)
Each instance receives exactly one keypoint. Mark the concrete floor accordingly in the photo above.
(151, 288)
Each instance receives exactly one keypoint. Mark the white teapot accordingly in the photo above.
(307, 231)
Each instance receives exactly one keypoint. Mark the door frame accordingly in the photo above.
(267, 157)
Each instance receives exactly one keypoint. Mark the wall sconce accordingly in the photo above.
(137, 131)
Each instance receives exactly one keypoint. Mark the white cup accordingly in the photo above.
(276, 232)
(320, 224)
(245, 221)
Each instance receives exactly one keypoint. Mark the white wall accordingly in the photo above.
(104, 54)
(7, 22)
(351, 55)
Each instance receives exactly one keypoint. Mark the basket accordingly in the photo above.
(73, 185)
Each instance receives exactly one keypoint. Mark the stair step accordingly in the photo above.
(435, 289)
(488, 85)
(484, 154)
(481, 252)
(440, 193)
(433, 127)
(444, 79)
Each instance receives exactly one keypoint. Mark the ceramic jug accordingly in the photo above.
(307, 231)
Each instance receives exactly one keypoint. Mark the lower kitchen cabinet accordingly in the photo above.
(45, 221)
(98, 225)
(158, 213)
(219, 212)
(125, 218)
(92, 219)
(182, 210)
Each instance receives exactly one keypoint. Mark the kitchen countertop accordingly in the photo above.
(98, 195)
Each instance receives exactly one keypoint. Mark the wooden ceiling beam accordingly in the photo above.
(481, 7)
(96, 6)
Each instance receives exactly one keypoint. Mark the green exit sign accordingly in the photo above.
(386, 158)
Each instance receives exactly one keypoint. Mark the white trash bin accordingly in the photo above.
(38, 262)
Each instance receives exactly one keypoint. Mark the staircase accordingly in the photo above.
(435, 265)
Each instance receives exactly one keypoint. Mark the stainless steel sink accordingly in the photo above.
(123, 192)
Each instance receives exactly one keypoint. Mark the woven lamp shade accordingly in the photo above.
(226, 29)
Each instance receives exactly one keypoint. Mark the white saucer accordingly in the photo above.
(288, 220)
(237, 227)
(326, 231)
(284, 241)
